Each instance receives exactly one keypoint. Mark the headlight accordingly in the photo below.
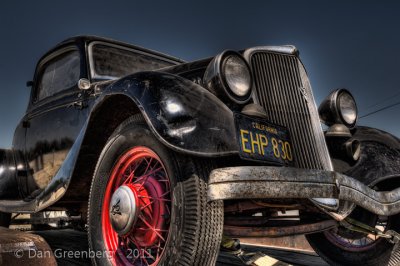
(237, 75)
(348, 108)
(228, 76)
(339, 108)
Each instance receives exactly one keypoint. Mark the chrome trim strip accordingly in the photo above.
(283, 49)
(316, 124)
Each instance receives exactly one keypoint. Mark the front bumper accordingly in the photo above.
(263, 182)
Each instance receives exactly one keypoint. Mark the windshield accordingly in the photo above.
(112, 62)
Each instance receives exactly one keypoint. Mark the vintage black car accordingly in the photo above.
(161, 157)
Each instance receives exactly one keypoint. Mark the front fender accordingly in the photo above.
(182, 114)
(380, 156)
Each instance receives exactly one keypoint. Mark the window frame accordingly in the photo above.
(95, 77)
(41, 68)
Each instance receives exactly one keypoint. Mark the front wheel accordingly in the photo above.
(148, 205)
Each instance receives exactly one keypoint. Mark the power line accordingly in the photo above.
(384, 100)
(380, 110)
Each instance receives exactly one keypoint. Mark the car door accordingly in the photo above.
(55, 118)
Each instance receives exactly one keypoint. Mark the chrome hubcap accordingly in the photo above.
(123, 210)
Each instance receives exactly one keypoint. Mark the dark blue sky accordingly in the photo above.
(342, 43)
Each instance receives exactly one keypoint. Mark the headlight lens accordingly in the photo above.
(347, 108)
(228, 76)
(237, 75)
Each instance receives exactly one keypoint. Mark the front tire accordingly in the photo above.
(148, 205)
(343, 247)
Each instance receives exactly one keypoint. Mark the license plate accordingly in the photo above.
(261, 140)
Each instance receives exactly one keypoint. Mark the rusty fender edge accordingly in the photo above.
(258, 182)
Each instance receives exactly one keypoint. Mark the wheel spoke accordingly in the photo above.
(150, 227)
(151, 256)
(168, 210)
(148, 165)
(146, 206)
(152, 169)
(163, 180)
(140, 249)
(146, 175)
(159, 249)
(132, 173)
(137, 247)
(129, 178)
(159, 199)
(142, 258)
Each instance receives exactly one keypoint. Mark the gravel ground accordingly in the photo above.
(64, 241)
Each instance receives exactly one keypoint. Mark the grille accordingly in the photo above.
(283, 89)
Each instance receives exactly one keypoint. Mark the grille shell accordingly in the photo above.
(282, 87)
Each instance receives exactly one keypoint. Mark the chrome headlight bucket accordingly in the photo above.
(228, 76)
(339, 108)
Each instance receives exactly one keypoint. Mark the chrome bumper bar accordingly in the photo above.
(263, 182)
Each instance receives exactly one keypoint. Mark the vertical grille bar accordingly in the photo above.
(283, 89)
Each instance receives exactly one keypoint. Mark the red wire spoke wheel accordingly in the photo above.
(148, 204)
(136, 208)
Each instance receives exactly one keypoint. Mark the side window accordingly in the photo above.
(59, 74)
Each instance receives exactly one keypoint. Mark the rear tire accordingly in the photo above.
(189, 228)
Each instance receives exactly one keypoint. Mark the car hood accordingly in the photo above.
(189, 70)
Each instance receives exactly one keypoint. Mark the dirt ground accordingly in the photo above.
(70, 247)
(70, 240)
